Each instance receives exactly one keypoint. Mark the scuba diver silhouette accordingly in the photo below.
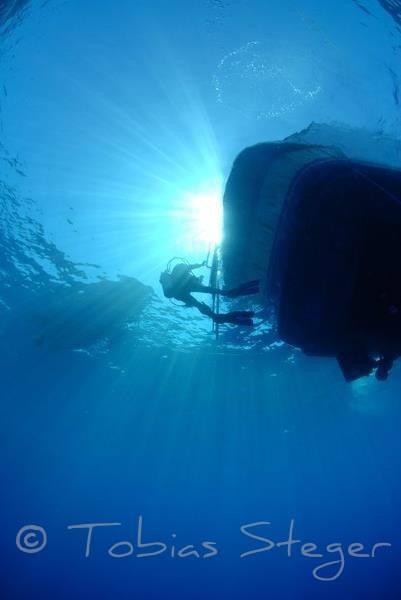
(180, 283)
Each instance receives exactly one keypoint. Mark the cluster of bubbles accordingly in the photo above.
(265, 81)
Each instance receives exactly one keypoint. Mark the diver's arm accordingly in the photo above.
(197, 266)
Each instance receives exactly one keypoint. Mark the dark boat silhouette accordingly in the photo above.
(323, 233)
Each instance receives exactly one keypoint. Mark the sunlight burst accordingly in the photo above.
(204, 216)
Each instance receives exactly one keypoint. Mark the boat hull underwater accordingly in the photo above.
(323, 233)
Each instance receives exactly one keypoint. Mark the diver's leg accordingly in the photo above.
(238, 317)
(201, 306)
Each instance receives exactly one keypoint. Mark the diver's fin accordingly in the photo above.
(245, 289)
(236, 318)
(251, 286)
(247, 314)
(248, 284)
(243, 321)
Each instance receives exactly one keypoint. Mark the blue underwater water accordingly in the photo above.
(140, 458)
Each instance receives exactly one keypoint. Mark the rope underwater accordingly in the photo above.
(214, 283)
